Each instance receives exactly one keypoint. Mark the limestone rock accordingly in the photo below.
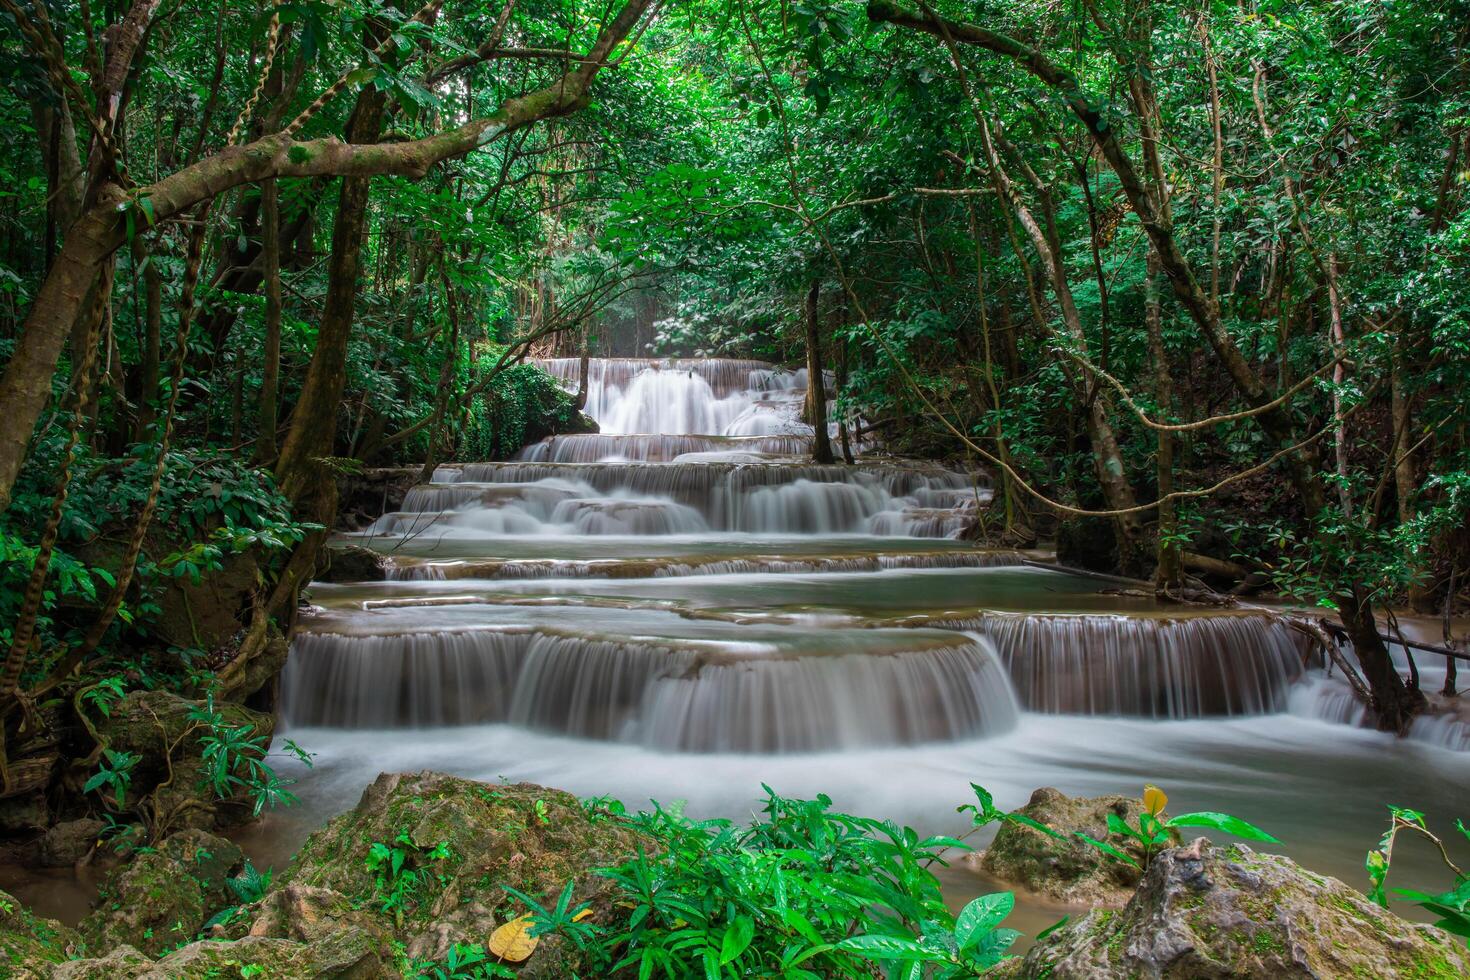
(1208, 913)
(352, 563)
(1070, 872)
(29, 945)
(307, 914)
(121, 963)
(164, 896)
(63, 845)
(529, 837)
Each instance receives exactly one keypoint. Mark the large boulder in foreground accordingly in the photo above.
(1204, 912)
(29, 944)
(462, 841)
(1071, 871)
(347, 955)
(163, 897)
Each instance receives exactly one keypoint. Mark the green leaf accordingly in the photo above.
(1222, 821)
(886, 948)
(737, 939)
(1059, 924)
(982, 915)
(1026, 821)
(1107, 849)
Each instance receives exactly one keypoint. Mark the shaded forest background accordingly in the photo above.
(1189, 279)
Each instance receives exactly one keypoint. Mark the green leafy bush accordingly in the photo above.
(802, 893)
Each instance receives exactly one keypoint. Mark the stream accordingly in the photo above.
(683, 607)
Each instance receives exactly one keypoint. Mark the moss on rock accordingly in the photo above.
(29, 944)
(528, 837)
(1208, 912)
(1070, 871)
(164, 896)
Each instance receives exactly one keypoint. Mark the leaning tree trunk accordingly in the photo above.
(816, 385)
(1394, 702)
(305, 480)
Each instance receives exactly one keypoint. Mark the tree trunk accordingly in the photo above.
(300, 473)
(842, 428)
(1394, 703)
(270, 235)
(816, 386)
(1167, 575)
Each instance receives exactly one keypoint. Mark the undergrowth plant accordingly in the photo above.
(1452, 906)
(803, 893)
(400, 869)
(1151, 832)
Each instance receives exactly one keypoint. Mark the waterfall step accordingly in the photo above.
(686, 580)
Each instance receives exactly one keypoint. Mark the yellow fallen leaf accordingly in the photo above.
(513, 941)
(1154, 800)
(581, 915)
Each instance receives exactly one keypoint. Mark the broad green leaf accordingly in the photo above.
(980, 916)
(1222, 821)
(736, 939)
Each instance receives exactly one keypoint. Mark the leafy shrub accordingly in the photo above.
(802, 893)
(522, 403)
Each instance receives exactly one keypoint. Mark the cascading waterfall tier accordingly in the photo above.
(1147, 667)
(663, 694)
(682, 497)
(687, 396)
(643, 448)
(685, 580)
(418, 569)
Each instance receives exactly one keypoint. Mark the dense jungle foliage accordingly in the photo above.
(1189, 278)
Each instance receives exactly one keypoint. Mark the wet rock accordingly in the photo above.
(164, 896)
(29, 944)
(463, 841)
(1069, 872)
(351, 563)
(363, 496)
(68, 842)
(1204, 912)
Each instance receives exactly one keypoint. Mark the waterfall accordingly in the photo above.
(1147, 667)
(686, 580)
(667, 695)
(689, 496)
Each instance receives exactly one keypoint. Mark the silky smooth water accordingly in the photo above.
(682, 607)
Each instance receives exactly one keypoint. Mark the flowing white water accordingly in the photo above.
(683, 606)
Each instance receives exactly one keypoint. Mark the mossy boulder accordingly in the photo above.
(29, 944)
(1071, 871)
(1204, 912)
(165, 895)
(346, 955)
(463, 842)
(163, 730)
